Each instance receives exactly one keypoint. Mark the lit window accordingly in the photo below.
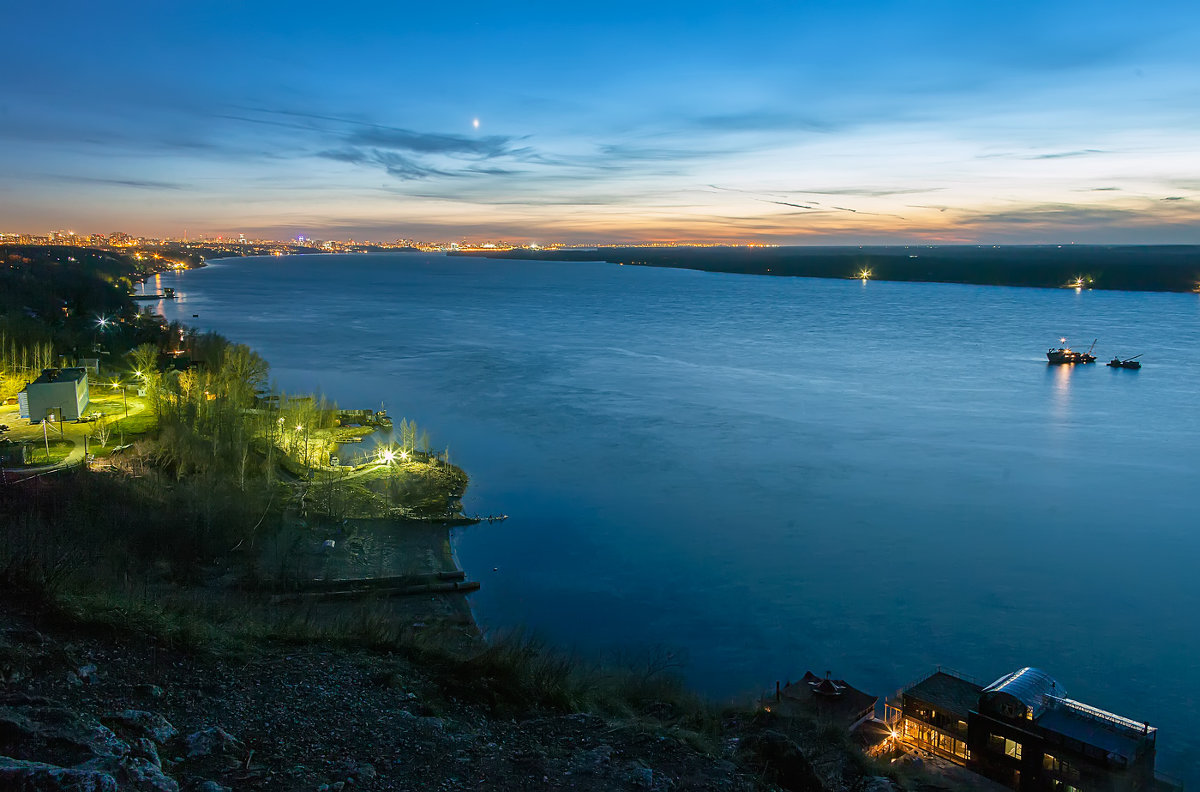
(1049, 762)
(1012, 748)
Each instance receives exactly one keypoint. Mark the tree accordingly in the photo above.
(102, 430)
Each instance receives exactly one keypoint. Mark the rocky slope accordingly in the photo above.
(83, 709)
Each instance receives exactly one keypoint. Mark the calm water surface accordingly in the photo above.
(781, 474)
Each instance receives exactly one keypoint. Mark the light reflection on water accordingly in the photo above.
(780, 474)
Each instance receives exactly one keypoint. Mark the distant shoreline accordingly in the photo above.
(1160, 268)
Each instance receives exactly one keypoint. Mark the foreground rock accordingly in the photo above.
(315, 717)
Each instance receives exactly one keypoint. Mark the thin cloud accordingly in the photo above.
(1049, 155)
(487, 147)
(631, 152)
(786, 203)
(811, 205)
(1067, 154)
(351, 155)
(143, 184)
(867, 192)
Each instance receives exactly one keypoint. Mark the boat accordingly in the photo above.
(1067, 356)
(1127, 363)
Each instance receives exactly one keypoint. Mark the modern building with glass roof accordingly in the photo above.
(1025, 732)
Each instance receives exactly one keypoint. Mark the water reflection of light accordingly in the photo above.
(1061, 375)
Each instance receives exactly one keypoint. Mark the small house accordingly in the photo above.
(824, 700)
(59, 394)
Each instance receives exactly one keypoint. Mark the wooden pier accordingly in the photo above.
(345, 589)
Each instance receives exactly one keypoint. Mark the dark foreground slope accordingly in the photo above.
(104, 708)
(1130, 267)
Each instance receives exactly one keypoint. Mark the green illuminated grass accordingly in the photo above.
(60, 449)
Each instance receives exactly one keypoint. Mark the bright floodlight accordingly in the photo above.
(299, 427)
(387, 456)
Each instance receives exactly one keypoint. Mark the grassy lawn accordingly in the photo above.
(111, 405)
(141, 418)
(135, 425)
(59, 450)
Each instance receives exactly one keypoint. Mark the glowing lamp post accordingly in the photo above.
(124, 395)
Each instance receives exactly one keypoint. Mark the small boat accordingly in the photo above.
(1067, 356)
(1127, 363)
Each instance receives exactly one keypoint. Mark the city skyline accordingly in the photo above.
(780, 123)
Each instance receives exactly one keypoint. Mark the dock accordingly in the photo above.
(348, 589)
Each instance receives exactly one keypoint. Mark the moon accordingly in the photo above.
(475, 123)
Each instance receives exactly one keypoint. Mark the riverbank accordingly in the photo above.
(1169, 268)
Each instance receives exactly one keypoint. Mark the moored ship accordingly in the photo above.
(1127, 363)
(1066, 356)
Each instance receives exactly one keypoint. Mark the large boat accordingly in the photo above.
(1129, 363)
(1066, 356)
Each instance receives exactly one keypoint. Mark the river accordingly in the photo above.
(768, 475)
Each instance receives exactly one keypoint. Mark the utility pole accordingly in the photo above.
(46, 439)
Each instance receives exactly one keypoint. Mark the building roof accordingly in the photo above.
(947, 692)
(60, 375)
(825, 699)
(1030, 686)
(1110, 733)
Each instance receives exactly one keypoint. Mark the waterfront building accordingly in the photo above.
(824, 700)
(1025, 732)
(61, 394)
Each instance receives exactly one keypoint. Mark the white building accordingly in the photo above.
(60, 394)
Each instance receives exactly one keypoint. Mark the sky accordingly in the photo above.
(779, 122)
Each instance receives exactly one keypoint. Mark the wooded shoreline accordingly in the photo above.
(1166, 268)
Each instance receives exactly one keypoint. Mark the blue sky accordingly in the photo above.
(795, 122)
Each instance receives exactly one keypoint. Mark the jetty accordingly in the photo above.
(165, 294)
(347, 589)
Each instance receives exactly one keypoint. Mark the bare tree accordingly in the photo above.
(102, 430)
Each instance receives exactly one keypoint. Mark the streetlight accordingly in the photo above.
(299, 428)
(125, 394)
